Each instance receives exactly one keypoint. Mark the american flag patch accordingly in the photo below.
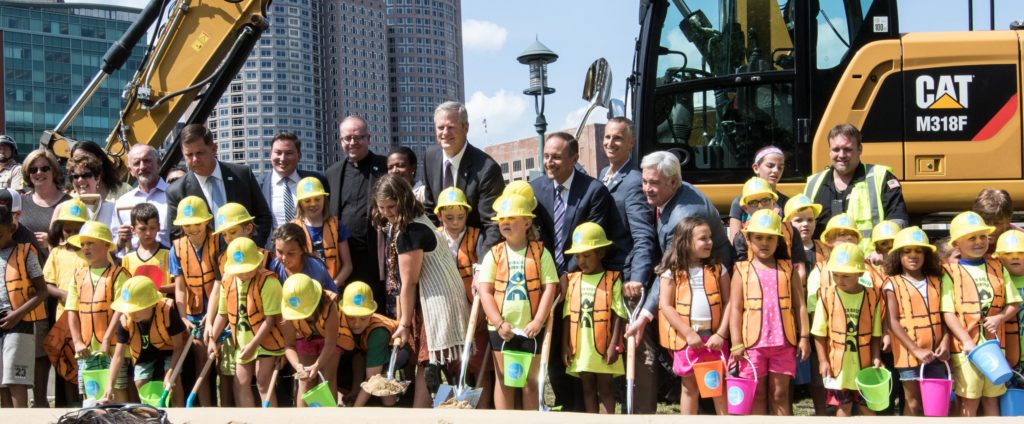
(894, 183)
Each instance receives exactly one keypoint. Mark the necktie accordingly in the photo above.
(559, 227)
(289, 201)
(449, 179)
(216, 193)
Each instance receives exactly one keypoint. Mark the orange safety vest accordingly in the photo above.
(303, 330)
(94, 311)
(752, 301)
(467, 257)
(821, 252)
(253, 308)
(332, 255)
(19, 285)
(534, 253)
(968, 306)
(837, 327)
(198, 272)
(668, 336)
(601, 313)
(60, 349)
(159, 337)
(922, 323)
(376, 321)
(878, 278)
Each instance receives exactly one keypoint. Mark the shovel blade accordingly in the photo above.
(469, 395)
(444, 392)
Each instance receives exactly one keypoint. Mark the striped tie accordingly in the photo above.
(289, 201)
(559, 228)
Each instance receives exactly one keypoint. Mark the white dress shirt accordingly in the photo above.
(124, 204)
(455, 160)
(277, 183)
(208, 197)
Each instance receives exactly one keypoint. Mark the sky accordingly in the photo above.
(581, 31)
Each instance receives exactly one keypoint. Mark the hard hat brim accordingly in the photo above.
(247, 266)
(76, 240)
(228, 226)
(190, 221)
(305, 196)
(437, 209)
(360, 311)
(130, 307)
(572, 250)
(985, 229)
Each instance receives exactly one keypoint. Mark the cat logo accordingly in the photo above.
(948, 92)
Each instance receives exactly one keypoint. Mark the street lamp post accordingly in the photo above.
(537, 57)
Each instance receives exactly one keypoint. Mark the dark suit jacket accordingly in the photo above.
(265, 183)
(479, 176)
(637, 218)
(589, 201)
(240, 186)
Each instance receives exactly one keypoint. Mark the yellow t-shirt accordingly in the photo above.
(73, 295)
(271, 295)
(62, 275)
(851, 360)
(133, 260)
(977, 273)
(587, 358)
(516, 307)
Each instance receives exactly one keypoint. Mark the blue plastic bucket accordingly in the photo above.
(989, 359)
(1011, 404)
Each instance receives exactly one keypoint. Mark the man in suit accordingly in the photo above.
(280, 184)
(455, 162)
(623, 179)
(217, 182)
(351, 184)
(566, 199)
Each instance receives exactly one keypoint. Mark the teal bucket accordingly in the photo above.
(988, 358)
(875, 385)
(1011, 404)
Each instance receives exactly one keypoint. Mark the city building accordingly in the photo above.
(517, 158)
(50, 52)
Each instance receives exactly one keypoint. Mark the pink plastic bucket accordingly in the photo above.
(740, 392)
(935, 393)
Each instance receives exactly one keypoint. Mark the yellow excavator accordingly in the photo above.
(715, 80)
(197, 48)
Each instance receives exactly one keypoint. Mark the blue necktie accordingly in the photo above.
(289, 201)
(559, 228)
(216, 193)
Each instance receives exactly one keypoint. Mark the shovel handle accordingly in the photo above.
(545, 352)
(199, 382)
(631, 358)
(273, 382)
(175, 371)
(394, 357)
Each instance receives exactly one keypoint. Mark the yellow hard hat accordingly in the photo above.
(300, 296)
(512, 205)
(885, 230)
(764, 221)
(799, 202)
(357, 301)
(846, 258)
(757, 186)
(74, 211)
(1011, 241)
(967, 223)
(309, 187)
(231, 215)
(137, 293)
(586, 237)
(521, 188)
(243, 256)
(192, 210)
(93, 230)
(451, 196)
(838, 223)
(912, 236)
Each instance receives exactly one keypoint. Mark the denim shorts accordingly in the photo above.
(935, 369)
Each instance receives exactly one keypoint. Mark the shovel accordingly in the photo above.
(545, 352)
(199, 381)
(463, 392)
(631, 352)
(400, 386)
(273, 383)
(175, 371)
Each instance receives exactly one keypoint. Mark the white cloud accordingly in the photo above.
(573, 119)
(504, 113)
(482, 36)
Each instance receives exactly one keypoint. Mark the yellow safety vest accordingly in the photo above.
(865, 207)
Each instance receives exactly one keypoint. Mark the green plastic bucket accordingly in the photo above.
(875, 385)
(516, 366)
(150, 393)
(95, 383)
(320, 396)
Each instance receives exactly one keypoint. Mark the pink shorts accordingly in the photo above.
(312, 347)
(683, 359)
(774, 360)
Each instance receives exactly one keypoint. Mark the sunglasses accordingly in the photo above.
(36, 170)
(86, 175)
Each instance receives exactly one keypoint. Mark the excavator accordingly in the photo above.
(715, 80)
(196, 49)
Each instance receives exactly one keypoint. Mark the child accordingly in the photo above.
(193, 266)
(1010, 252)
(769, 163)
(145, 220)
(694, 307)
(314, 341)
(996, 209)
(326, 235)
(847, 329)
(839, 229)
(518, 282)
(593, 315)
(150, 331)
(59, 277)
(372, 333)
(22, 289)
(881, 239)
(292, 257)
(757, 195)
(977, 293)
(250, 302)
(452, 209)
(88, 303)
(915, 324)
(760, 286)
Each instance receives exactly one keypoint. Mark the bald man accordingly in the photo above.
(144, 165)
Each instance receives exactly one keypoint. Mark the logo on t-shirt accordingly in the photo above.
(516, 287)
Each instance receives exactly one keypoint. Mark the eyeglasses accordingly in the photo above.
(86, 175)
(353, 138)
(36, 170)
(760, 203)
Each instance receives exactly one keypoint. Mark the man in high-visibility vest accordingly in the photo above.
(867, 193)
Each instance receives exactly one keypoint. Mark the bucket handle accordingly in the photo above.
(920, 374)
(506, 341)
(890, 388)
(687, 355)
(752, 367)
